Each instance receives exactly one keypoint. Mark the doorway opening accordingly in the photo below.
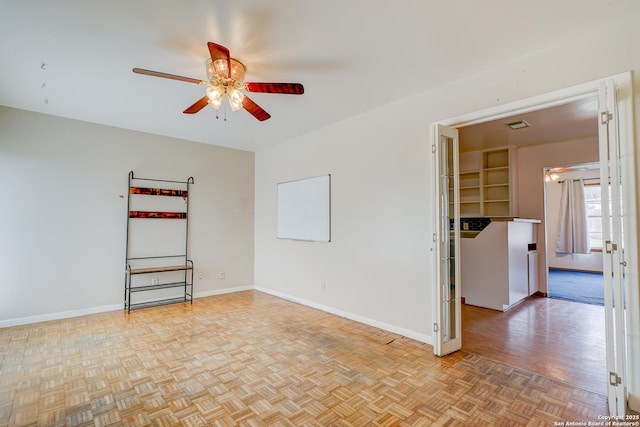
(515, 330)
(615, 124)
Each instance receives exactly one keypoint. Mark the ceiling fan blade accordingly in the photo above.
(167, 76)
(220, 52)
(255, 110)
(286, 88)
(199, 105)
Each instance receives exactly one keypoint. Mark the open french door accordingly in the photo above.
(613, 247)
(446, 241)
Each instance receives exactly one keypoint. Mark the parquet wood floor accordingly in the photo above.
(252, 359)
(564, 340)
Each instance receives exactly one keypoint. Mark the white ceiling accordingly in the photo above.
(574, 120)
(352, 56)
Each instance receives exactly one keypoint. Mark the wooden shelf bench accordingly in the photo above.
(151, 197)
(161, 269)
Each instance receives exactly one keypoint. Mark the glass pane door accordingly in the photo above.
(447, 327)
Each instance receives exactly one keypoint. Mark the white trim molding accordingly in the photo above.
(222, 291)
(57, 316)
(355, 317)
(7, 323)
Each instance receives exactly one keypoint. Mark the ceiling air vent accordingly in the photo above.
(521, 124)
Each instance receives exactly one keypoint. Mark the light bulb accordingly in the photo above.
(220, 67)
(215, 93)
(235, 99)
(215, 103)
(551, 177)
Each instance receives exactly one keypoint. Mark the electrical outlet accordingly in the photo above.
(155, 281)
(323, 285)
(222, 275)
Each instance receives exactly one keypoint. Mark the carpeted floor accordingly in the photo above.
(576, 286)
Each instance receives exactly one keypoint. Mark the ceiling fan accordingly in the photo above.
(226, 77)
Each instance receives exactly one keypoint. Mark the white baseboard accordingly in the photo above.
(222, 291)
(93, 310)
(7, 323)
(355, 317)
(60, 315)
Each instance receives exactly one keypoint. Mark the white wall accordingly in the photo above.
(62, 222)
(378, 265)
(376, 260)
(584, 262)
(531, 164)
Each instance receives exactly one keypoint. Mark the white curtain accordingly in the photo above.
(573, 236)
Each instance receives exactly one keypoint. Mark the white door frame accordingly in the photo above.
(623, 82)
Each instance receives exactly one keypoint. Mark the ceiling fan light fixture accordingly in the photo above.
(215, 94)
(226, 77)
(237, 70)
(235, 99)
(218, 69)
(551, 176)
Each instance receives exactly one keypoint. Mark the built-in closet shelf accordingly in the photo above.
(175, 276)
(469, 197)
(486, 183)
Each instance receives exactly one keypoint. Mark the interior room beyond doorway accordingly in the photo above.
(527, 333)
(574, 274)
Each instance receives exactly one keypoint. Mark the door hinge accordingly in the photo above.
(435, 328)
(435, 237)
(605, 117)
(433, 148)
(614, 379)
(610, 247)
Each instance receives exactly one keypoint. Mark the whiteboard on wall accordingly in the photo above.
(304, 209)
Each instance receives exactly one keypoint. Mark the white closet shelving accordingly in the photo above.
(487, 183)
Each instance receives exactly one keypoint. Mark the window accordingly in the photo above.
(593, 202)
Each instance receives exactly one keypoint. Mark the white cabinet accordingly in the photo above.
(495, 270)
